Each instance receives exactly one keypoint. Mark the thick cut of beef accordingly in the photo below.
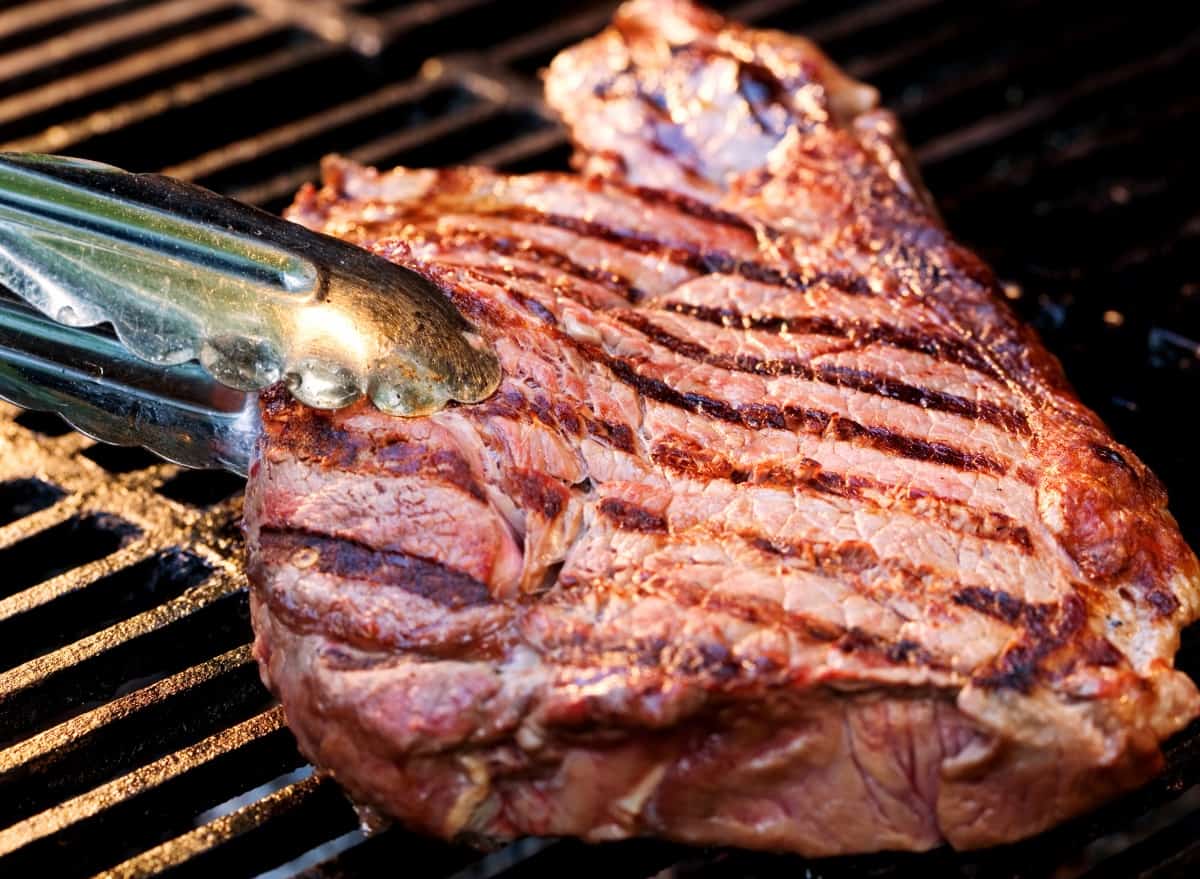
(781, 531)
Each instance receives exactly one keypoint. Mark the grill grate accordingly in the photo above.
(135, 739)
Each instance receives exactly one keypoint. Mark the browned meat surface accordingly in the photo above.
(780, 532)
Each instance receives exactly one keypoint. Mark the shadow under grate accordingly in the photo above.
(21, 497)
(58, 549)
(202, 488)
(44, 423)
(121, 459)
(111, 598)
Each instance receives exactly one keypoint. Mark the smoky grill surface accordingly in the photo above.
(134, 735)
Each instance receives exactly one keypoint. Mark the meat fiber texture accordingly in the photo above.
(781, 530)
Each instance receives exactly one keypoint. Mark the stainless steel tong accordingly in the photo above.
(208, 301)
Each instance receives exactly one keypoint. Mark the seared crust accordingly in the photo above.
(781, 530)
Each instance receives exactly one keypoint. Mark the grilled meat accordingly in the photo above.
(780, 532)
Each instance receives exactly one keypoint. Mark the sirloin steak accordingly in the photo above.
(781, 530)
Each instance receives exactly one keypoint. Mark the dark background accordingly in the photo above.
(1058, 138)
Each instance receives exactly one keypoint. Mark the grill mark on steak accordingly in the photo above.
(502, 274)
(761, 416)
(352, 560)
(404, 458)
(1164, 603)
(482, 642)
(1053, 639)
(839, 376)
(771, 90)
(758, 86)
(614, 434)
(995, 603)
(915, 395)
(330, 446)
(591, 664)
(835, 375)
(829, 559)
(276, 551)
(691, 207)
(758, 416)
(760, 611)
(523, 248)
(630, 517)
(686, 457)
(659, 134)
(851, 562)
(888, 440)
(337, 658)
(831, 374)
(537, 491)
(702, 261)
(510, 403)
(924, 341)
(747, 608)
(1046, 629)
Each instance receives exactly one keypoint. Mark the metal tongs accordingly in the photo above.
(209, 300)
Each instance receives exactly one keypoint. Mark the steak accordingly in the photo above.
(781, 530)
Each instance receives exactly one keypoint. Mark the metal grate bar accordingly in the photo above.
(127, 786)
(396, 845)
(955, 31)
(990, 66)
(641, 858)
(1084, 159)
(285, 135)
(36, 670)
(149, 63)
(76, 579)
(371, 152)
(995, 128)
(574, 27)
(1157, 248)
(15, 532)
(92, 37)
(61, 136)
(39, 13)
(413, 15)
(70, 733)
(541, 40)
(48, 457)
(1179, 842)
(218, 831)
(326, 853)
(376, 150)
(756, 10)
(140, 505)
(521, 149)
(858, 20)
(330, 20)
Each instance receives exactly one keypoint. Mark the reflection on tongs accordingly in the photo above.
(181, 274)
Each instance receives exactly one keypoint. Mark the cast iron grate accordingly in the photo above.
(135, 739)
